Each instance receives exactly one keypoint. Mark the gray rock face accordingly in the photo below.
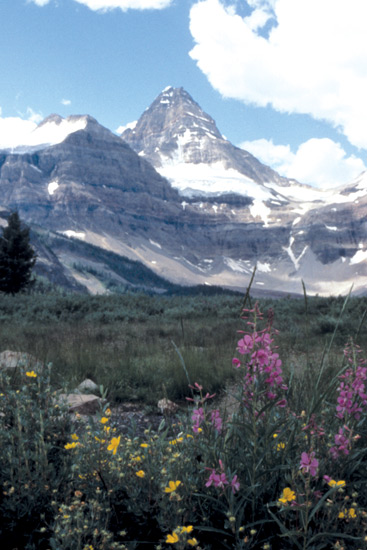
(175, 127)
(94, 186)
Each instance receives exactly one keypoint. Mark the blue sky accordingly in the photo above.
(287, 79)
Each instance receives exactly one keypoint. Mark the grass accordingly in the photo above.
(283, 469)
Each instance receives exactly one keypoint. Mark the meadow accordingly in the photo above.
(283, 468)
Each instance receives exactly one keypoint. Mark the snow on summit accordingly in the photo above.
(54, 129)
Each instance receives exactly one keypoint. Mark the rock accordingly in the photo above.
(81, 403)
(167, 407)
(87, 386)
(12, 359)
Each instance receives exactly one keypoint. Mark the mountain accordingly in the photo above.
(175, 195)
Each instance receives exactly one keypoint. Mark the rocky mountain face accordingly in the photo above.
(177, 196)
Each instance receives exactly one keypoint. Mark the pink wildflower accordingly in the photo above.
(245, 345)
(235, 484)
(342, 444)
(216, 420)
(218, 480)
(309, 464)
(198, 417)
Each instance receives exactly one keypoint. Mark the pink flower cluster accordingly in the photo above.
(220, 479)
(352, 391)
(309, 464)
(198, 416)
(262, 362)
(342, 443)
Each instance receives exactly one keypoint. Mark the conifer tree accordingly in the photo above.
(17, 257)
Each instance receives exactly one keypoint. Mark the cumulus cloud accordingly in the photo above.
(15, 130)
(299, 56)
(65, 102)
(28, 133)
(322, 163)
(40, 2)
(124, 5)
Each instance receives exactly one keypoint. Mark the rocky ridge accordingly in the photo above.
(178, 197)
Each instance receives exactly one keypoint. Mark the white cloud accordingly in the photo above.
(105, 5)
(322, 163)
(65, 102)
(40, 2)
(313, 59)
(129, 125)
(25, 133)
(14, 130)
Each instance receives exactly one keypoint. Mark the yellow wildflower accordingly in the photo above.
(172, 486)
(114, 443)
(71, 445)
(287, 496)
(31, 374)
(74, 437)
(172, 539)
(334, 483)
(144, 445)
(140, 473)
(280, 446)
(104, 419)
(192, 542)
(187, 529)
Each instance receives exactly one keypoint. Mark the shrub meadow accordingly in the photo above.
(268, 449)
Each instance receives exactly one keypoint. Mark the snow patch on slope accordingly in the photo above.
(210, 179)
(49, 133)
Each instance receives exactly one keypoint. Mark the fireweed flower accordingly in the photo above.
(342, 443)
(287, 496)
(309, 464)
(235, 484)
(216, 420)
(245, 345)
(198, 416)
(218, 480)
(263, 367)
(172, 486)
(114, 443)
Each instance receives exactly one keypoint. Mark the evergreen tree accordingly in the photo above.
(17, 257)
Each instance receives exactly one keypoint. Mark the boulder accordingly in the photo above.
(12, 359)
(87, 386)
(167, 407)
(81, 403)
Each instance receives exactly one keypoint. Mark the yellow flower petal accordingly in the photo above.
(140, 473)
(31, 374)
(172, 539)
(70, 445)
(115, 442)
(172, 486)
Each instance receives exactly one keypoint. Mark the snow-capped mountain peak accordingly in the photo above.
(184, 144)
